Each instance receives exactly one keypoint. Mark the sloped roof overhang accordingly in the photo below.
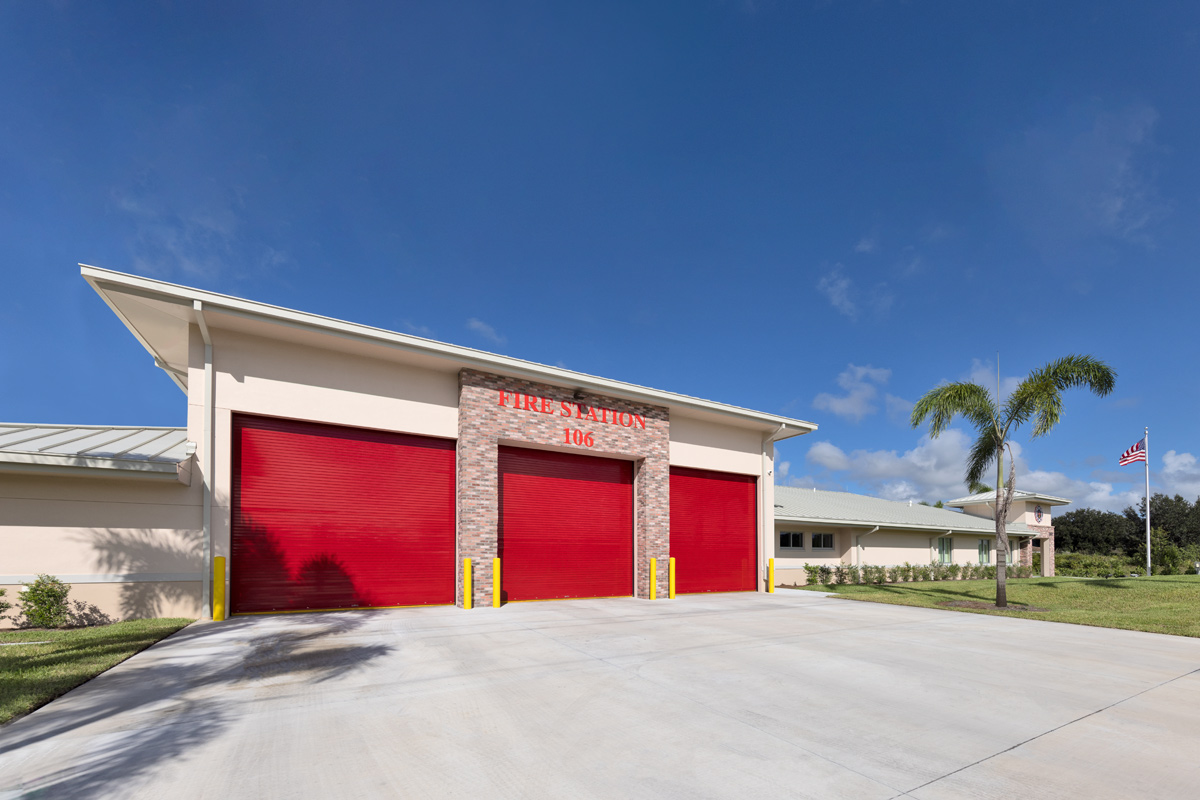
(159, 315)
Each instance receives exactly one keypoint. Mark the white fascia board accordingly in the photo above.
(884, 526)
(84, 467)
(1024, 497)
(469, 357)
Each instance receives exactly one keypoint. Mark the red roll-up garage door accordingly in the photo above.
(566, 525)
(714, 529)
(330, 517)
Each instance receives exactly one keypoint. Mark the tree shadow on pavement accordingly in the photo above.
(175, 696)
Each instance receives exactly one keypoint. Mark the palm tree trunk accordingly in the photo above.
(1001, 516)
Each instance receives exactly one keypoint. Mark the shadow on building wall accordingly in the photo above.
(262, 579)
(142, 551)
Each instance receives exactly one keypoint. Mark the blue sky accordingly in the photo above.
(819, 209)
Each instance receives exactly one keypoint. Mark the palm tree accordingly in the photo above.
(1038, 397)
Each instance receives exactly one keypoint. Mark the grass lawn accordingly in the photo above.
(1162, 604)
(32, 675)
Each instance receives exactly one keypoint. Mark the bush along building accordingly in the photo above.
(819, 527)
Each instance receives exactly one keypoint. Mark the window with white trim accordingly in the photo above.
(822, 541)
(945, 546)
(791, 540)
(985, 552)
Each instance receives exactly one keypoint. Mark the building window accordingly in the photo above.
(822, 541)
(985, 551)
(945, 547)
(791, 540)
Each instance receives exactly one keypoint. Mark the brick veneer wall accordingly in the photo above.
(1047, 532)
(484, 424)
(1026, 553)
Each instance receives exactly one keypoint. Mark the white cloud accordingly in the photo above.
(931, 471)
(828, 456)
(837, 287)
(485, 330)
(984, 373)
(1083, 173)
(860, 384)
(417, 330)
(1181, 475)
(867, 244)
(201, 239)
(899, 410)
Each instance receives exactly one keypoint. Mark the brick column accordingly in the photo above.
(536, 414)
(1047, 536)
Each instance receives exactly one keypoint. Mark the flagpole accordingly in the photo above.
(1147, 502)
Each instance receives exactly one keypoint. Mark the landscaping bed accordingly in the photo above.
(1161, 604)
(38, 665)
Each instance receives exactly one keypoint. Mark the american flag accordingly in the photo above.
(1135, 453)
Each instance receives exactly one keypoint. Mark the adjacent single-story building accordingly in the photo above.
(813, 526)
(336, 465)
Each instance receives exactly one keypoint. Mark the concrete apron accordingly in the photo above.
(792, 694)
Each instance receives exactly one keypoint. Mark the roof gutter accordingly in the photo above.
(845, 523)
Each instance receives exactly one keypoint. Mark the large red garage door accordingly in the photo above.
(714, 529)
(332, 517)
(566, 525)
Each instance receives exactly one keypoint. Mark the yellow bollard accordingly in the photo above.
(671, 579)
(771, 575)
(495, 583)
(218, 589)
(654, 579)
(467, 583)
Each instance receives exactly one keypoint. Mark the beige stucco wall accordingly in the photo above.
(258, 375)
(91, 529)
(707, 445)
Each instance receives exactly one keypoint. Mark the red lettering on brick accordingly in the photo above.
(566, 409)
(504, 399)
(639, 421)
(624, 415)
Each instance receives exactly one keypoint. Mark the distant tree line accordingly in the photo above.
(1087, 530)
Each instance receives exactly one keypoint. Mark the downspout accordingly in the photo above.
(766, 504)
(858, 545)
(209, 460)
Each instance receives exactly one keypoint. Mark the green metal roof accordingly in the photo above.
(843, 508)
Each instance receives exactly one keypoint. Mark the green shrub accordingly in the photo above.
(853, 574)
(954, 570)
(4, 604)
(893, 574)
(1165, 556)
(825, 574)
(968, 571)
(989, 573)
(44, 603)
(922, 573)
(1094, 565)
(1037, 563)
(840, 575)
(812, 573)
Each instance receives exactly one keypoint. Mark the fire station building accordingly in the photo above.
(337, 465)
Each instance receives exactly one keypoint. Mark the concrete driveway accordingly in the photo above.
(785, 695)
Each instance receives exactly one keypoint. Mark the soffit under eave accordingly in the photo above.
(161, 326)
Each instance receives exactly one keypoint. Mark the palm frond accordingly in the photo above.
(1040, 395)
(943, 403)
(983, 454)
